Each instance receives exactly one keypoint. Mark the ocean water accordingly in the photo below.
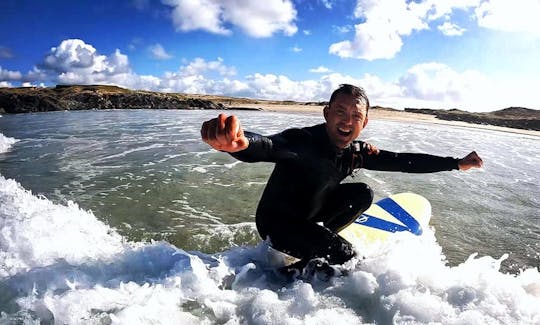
(126, 217)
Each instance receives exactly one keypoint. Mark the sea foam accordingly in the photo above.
(6, 143)
(59, 263)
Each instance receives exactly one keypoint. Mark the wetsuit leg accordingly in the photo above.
(344, 205)
(305, 239)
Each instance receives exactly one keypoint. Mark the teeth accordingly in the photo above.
(344, 130)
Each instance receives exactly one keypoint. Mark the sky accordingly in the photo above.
(474, 55)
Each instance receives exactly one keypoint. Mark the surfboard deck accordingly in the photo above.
(396, 213)
(399, 212)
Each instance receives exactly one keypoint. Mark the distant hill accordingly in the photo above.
(512, 117)
(85, 97)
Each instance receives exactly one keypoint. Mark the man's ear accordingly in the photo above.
(365, 122)
(325, 112)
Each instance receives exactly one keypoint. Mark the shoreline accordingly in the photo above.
(399, 116)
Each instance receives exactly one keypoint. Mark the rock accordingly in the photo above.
(32, 99)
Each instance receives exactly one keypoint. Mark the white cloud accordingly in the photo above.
(436, 81)
(450, 29)
(380, 35)
(75, 62)
(7, 75)
(201, 76)
(436, 85)
(200, 66)
(296, 49)
(320, 69)
(255, 18)
(306, 32)
(271, 86)
(432, 85)
(5, 84)
(191, 15)
(159, 53)
(511, 16)
(385, 23)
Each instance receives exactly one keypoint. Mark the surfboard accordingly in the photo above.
(408, 212)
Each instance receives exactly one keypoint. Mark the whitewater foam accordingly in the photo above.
(60, 263)
(6, 143)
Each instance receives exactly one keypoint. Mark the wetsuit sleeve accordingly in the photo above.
(267, 148)
(406, 162)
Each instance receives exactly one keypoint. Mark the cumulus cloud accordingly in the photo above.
(450, 29)
(201, 76)
(7, 75)
(74, 61)
(433, 84)
(509, 16)
(159, 53)
(380, 35)
(384, 24)
(255, 18)
(296, 49)
(436, 81)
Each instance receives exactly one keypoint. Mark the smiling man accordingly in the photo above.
(305, 187)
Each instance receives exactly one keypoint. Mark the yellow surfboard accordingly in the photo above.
(400, 212)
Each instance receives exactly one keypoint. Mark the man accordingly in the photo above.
(305, 187)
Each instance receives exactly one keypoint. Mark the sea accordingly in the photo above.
(127, 217)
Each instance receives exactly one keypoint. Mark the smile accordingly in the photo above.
(344, 132)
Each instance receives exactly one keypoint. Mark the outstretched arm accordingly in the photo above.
(224, 133)
(471, 160)
(375, 159)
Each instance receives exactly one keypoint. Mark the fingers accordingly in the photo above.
(479, 162)
(373, 150)
(232, 128)
(220, 132)
(224, 133)
(472, 160)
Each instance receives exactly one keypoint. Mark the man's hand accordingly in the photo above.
(471, 160)
(224, 133)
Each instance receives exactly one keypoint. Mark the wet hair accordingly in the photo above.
(356, 92)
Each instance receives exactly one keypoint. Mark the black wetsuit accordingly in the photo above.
(305, 188)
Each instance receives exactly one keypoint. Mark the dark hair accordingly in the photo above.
(356, 92)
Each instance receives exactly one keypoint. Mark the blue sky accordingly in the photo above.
(476, 55)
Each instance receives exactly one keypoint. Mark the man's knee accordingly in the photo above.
(364, 197)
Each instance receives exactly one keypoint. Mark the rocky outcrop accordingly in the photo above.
(512, 117)
(24, 100)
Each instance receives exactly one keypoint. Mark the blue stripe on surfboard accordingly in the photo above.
(381, 224)
(396, 211)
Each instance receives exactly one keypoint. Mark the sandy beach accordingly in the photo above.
(381, 114)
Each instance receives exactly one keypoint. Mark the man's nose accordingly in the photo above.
(348, 118)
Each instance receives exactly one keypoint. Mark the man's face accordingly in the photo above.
(345, 118)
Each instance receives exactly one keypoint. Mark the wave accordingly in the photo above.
(59, 263)
(6, 143)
